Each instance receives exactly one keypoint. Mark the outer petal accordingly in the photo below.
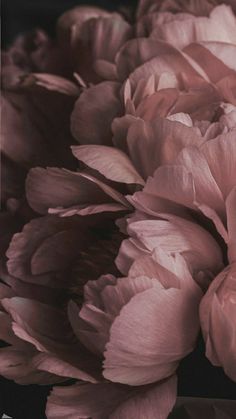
(60, 189)
(179, 236)
(213, 66)
(49, 331)
(221, 152)
(141, 348)
(158, 142)
(16, 364)
(110, 162)
(155, 403)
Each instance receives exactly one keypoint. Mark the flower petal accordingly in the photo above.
(110, 162)
(94, 112)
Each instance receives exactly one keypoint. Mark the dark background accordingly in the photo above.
(23, 15)
(197, 377)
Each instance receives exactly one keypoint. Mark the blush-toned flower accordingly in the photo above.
(154, 113)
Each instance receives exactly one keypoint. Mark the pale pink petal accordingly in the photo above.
(130, 250)
(141, 349)
(158, 142)
(179, 236)
(221, 153)
(174, 183)
(110, 162)
(206, 186)
(94, 112)
(213, 66)
(223, 51)
(163, 59)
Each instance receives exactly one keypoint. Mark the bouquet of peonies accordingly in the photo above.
(118, 222)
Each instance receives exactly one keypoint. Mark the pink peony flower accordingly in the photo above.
(154, 113)
(137, 346)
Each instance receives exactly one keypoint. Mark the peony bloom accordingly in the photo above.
(189, 206)
(111, 308)
(218, 320)
(154, 113)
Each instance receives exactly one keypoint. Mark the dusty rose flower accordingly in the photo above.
(47, 329)
(137, 345)
(156, 127)
(181, 208)
(218, 319)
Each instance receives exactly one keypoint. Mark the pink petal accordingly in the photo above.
(141, 348)
(155, 403)
(110, 162)
(206, 188)
(179, 236)
(213, 66)
(53, 188)
(221, 152)
(159, 142)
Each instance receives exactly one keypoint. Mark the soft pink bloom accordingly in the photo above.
(141, 346)
(154, 112)
(218, 321)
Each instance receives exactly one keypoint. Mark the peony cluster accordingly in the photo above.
(118, 219)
